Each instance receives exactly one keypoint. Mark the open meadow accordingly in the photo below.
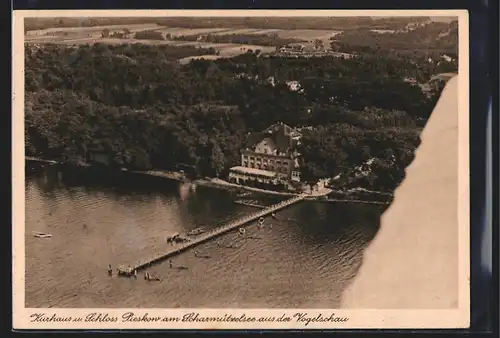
(231, 39)
(177, 31)
(223, 49)
(92, 35)
(299, 34)
(94, 29)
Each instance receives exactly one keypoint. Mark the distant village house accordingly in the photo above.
(37, 32)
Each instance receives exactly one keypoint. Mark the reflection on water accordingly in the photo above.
(303, 259)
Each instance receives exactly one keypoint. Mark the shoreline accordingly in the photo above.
(222, 184)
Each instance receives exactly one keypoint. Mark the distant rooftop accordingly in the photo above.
(279, 135)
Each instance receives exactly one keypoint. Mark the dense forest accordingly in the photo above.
(335, 23)
(431, 40)
(145, 109)
(328, 23)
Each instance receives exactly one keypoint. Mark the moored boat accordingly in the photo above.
(181, 239)
(172, 237)
(177, 238)
(125, 271)
(149, 277)
(195, 232)
(41, 234)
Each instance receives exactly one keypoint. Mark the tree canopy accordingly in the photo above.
(141, 106)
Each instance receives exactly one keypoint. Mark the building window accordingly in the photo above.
(265, 160)
(259, 159)
(245, 163)
(252, 158)
(285, 163)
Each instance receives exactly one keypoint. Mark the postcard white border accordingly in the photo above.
(363, 319)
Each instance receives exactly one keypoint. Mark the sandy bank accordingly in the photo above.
(319, 193)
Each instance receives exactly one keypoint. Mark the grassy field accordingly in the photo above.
(137, 27)
(225, 49)
(175, 31)
(90, 35)
(305, 34)
(308, 34)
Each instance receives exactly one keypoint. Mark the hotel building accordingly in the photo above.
(271, 159)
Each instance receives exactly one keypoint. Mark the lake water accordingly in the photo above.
(303, 259)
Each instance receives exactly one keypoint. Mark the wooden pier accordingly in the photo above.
(129, 269)
(249, 204)
(335, 200)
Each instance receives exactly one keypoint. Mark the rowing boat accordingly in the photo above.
(41, 234)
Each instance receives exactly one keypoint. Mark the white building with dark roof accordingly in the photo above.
(271, 158)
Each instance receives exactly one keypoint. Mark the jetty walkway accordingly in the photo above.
(250, 204)
(129, 269)
(336, 200)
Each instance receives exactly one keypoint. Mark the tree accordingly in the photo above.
(334, 46)
(318, 44)
(105, 33)
(217, 159)
(149, 35)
